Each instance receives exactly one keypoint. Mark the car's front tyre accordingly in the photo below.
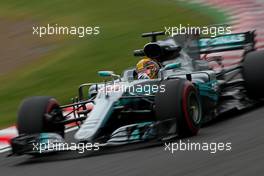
(36, 115)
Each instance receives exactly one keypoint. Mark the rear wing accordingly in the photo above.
(228, 42)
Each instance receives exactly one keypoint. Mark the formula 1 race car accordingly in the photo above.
(124, 109)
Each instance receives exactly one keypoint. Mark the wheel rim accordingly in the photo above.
(194, 108)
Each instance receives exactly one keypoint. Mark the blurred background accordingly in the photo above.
(56, 65)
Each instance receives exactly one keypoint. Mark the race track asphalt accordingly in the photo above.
(245, 132)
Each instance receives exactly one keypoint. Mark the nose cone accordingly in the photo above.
(98, 117)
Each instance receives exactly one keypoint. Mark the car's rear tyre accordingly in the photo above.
(33, 116)
(253, 73)
(181, 101)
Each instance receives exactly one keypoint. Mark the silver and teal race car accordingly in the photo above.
(124, 109)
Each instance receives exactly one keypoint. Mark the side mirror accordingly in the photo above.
(109, 74)
(105, 73)
(169, 67)
(172, 66)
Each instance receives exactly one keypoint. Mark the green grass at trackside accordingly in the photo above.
(77, 60)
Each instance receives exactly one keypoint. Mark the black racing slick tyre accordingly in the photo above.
(253, 73)
(35, 116)
(180, 101)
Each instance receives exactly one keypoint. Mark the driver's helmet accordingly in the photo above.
(147, 69)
